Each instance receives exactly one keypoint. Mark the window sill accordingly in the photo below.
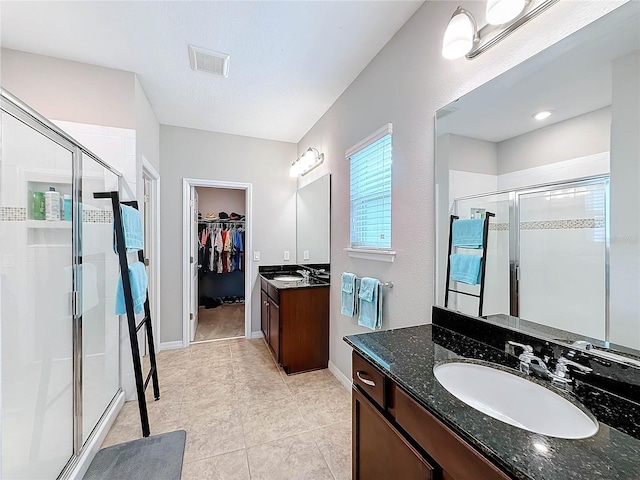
(371, 254)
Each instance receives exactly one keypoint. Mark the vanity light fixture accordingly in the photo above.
(542, 114)
(463, 37)
(306, 162)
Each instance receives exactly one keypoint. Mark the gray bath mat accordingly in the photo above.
(152, 458)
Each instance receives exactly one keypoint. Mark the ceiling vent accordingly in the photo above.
(208, 61)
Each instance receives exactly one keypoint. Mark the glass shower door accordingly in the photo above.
(36, 282)
(562, 256)
(99, 271)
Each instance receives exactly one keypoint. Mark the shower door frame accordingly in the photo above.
(514, 233)
(13, 106)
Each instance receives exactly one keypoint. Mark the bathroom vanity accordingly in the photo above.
(407, 425)
(295, 320)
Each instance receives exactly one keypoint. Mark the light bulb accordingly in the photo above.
(503, 11)
(459, 36)
(294, 170)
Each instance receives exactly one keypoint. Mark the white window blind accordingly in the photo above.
(370, 173)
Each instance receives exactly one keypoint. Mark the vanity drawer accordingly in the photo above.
(274, 293)
(369, 380)
(458, 460)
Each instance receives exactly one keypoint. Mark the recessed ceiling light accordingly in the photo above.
(543, 114)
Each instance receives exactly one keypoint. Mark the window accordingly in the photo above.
(370, 188)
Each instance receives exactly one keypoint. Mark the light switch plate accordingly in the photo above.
(286, 255)
(256, 256)
(306, 255)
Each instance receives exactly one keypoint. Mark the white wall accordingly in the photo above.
(147, 128)
(625, 199)
(189, 153)
(576, 137)
(71, 91)
(405, 84)
(216, 200)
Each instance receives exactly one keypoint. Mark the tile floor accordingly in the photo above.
(244, 417)
(225, 321)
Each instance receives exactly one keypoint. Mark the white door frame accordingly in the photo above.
(148, 171)
(187, 185)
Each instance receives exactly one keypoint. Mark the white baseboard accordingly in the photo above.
(170, 345)
(257, 334)
(342, 378)
(96, 440)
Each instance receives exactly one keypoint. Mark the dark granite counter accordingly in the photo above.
(280, 285)
(269, 272)
(408, 355)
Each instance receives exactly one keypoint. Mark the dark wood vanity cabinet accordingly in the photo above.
(295, 324)
(395, 437)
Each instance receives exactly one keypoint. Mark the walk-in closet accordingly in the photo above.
(220, 239)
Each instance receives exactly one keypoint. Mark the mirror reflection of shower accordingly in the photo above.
(547, 242)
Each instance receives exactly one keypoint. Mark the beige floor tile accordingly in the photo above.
(205, 372)
(212, 434)
(248, 348)
(296, 457)
(324, 407)
(172, 358)
(334, 442)
(215, 350)
(209, 398)
(270, 420)
(310, 381)
(258, 390)
(228, 466)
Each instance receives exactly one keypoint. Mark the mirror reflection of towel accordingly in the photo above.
(466, 268)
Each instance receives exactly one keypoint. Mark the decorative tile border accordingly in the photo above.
(499, 226)
(554, 224)
(19, 214)
(13, 214)
(563, 224)
(97, 216)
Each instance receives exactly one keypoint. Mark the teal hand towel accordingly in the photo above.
(348, 291)
(468, 233)
(370, 304)
(138, 279)
(132, 229)
(466, 268)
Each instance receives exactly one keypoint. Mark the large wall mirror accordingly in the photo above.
(313, 221)
(563, 249)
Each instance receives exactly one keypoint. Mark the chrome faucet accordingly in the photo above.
(304, 273)
(559, 377)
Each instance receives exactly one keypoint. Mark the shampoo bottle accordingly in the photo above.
(52, 204)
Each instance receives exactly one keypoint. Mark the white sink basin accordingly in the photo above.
(287, 278)
(515, 400)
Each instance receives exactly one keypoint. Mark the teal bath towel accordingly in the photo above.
(138, 279)
(468, 233)
(370, 304)
(348, 291)
(466, 268)
(132, 229)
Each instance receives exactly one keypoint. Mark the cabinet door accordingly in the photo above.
(379, 450)
(274, 328)
(264, 316)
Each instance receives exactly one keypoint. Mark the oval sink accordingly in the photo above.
(287, 278)
(515, 400)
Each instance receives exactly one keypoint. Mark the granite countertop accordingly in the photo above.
(280, 285)
(408, 355)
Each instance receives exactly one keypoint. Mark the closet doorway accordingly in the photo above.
(217, 264)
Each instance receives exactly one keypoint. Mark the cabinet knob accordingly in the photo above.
(366, 381)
